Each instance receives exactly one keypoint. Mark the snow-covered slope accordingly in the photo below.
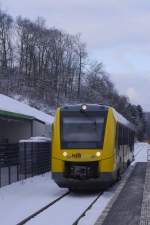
(11, 105)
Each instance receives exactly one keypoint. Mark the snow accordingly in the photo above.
(23, 198)
(36, 139)
(66, 211)
(141, 152)
(123, 120)
(93, 214)
(11, 105)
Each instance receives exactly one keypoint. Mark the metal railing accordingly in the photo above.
(18, 162)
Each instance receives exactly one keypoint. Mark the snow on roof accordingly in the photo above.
(123, 120)
(11, 105)
(36, 139)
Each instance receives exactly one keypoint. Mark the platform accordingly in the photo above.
(131, 205)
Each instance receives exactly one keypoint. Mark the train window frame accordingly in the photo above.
(99, 145)
(125, 136)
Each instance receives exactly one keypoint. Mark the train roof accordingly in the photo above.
(90, 107)
(99, 107)
(122, 120)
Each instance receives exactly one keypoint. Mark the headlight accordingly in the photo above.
(83, 107)
(65, 154)
(98, 154)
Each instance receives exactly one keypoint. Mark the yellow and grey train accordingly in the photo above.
(92, 145)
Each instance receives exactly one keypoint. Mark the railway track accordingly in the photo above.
(84, 212)
(81, 215)
(42, 209)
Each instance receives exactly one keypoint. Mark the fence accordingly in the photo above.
(148, 154)
(20, 161)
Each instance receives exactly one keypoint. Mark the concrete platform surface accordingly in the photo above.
(127, 208)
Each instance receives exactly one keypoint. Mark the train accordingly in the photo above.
(92, 145)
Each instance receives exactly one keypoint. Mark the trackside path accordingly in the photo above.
(101, 208)
(145, 212)
(127, 207)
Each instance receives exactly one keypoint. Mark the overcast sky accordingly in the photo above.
(117, 32)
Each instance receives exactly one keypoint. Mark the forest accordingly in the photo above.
(49, 67)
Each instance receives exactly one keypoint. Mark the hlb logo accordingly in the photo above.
(77, 155)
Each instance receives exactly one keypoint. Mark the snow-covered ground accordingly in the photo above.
(66, 211)
(19, 200)
(25, 197)
(141, 152)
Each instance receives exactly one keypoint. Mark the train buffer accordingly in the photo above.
(132, 204)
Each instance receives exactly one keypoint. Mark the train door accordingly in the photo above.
(125, 147)
(117, 146)
(120, 148)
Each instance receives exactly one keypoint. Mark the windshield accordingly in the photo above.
(82, 131)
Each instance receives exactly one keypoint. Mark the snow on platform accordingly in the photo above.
(141, 152)
(25, 197)
(11, 105)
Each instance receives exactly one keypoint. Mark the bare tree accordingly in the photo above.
(82, 55)
(6, 51)
(49, 66)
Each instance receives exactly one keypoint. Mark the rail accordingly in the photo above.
(42, 209)
(84, 212)
(24, 221)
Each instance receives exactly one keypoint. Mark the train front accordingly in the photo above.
(77, 146)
